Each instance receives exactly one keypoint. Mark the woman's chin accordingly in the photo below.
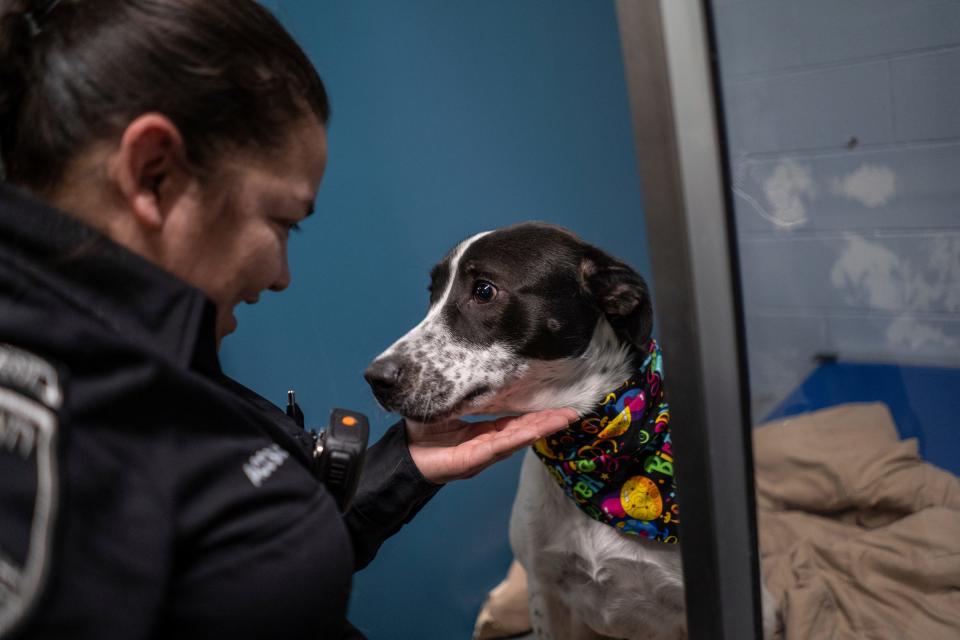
(225, 326)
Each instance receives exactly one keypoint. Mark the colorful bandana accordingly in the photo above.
(616, 463)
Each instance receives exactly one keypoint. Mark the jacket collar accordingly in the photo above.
(131, 296)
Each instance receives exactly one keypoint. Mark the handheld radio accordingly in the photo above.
(338, 450)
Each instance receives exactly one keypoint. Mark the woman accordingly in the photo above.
(160, 151)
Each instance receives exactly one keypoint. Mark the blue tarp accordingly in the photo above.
(924, 401)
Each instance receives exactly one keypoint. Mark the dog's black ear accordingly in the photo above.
(620, 293)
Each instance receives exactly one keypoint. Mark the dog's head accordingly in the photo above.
(522, 318)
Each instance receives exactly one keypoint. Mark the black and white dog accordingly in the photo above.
(531, 317)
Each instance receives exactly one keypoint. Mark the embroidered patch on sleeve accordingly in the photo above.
(29, 397)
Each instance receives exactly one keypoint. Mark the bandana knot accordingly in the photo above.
(616, 463)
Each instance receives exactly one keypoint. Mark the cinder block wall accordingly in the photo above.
(843, 120)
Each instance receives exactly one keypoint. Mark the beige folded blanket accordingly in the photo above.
(860, 538)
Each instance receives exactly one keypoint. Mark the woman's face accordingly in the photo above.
(233, 246)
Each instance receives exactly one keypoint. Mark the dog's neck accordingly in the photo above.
(578, 382)
(616, 463)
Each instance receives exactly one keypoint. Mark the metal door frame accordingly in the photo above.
(671, 81)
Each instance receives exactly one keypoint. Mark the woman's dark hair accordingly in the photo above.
(76, 71)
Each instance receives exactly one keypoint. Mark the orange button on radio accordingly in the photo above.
(348, 421)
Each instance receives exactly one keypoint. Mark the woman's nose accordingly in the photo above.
(283, 280)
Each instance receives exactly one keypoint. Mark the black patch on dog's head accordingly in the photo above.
(551, 289)
(438, 279)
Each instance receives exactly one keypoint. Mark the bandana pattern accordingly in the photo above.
(616, 463)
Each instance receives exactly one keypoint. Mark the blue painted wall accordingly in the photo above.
(448, 118)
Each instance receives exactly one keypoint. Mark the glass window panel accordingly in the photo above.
(843, 129)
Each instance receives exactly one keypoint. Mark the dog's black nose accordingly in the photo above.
(383, 374)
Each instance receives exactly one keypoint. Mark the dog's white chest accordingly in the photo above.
(621, 586)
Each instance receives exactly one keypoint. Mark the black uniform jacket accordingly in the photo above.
(143, 493)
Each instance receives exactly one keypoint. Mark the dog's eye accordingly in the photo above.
(484, 291)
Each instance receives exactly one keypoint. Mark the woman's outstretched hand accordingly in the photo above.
(455, 449)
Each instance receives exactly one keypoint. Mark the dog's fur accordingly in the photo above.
(563, 324)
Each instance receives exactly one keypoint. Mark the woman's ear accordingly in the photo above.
(149, 161)
(620, 293)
